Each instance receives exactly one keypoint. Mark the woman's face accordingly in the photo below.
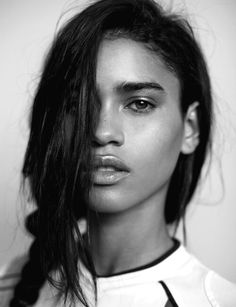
(140, 124)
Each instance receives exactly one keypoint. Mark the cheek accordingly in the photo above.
(155, 152)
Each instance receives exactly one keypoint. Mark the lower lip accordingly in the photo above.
(108, 177)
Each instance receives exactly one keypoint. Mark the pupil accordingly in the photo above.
(141, 104)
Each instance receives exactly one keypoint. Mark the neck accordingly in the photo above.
(129, 239)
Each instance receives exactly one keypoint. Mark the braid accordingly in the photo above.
(26, 292)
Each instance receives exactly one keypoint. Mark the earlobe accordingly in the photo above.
(191, 129)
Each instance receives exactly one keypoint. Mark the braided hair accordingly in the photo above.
(26, 291)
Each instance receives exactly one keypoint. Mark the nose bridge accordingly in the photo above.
(109, 126)
(106, 113)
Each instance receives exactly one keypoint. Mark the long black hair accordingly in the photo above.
(58, 168)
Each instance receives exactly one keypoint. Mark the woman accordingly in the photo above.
(120, 129)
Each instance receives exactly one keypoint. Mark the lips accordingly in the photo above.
(110, 162)
(109, 170)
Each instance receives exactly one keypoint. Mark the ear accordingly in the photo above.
(191, 130)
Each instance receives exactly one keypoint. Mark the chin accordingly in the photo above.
(109, 200)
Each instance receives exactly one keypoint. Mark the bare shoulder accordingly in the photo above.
(220, 290)
(9, 276)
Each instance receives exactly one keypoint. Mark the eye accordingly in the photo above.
(140, 106)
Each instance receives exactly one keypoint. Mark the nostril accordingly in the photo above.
(108, 129)
(108, 133)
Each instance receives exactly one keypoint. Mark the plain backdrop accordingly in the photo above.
(26, 29)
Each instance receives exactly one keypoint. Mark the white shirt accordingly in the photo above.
(188, 283)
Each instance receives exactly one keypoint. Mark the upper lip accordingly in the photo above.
(110, 161)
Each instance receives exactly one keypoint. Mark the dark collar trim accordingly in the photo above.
(150, 264)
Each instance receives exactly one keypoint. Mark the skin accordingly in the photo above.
(146, 130)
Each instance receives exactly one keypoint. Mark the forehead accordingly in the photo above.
(125, 60)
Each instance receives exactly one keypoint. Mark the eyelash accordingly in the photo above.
(145, 110)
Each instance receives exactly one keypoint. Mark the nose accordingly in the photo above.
(109, 128)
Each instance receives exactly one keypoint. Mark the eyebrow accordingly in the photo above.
(127, 87)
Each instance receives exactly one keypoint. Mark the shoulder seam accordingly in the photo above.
(208, 290)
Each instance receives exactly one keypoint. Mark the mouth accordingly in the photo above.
(109, 170)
